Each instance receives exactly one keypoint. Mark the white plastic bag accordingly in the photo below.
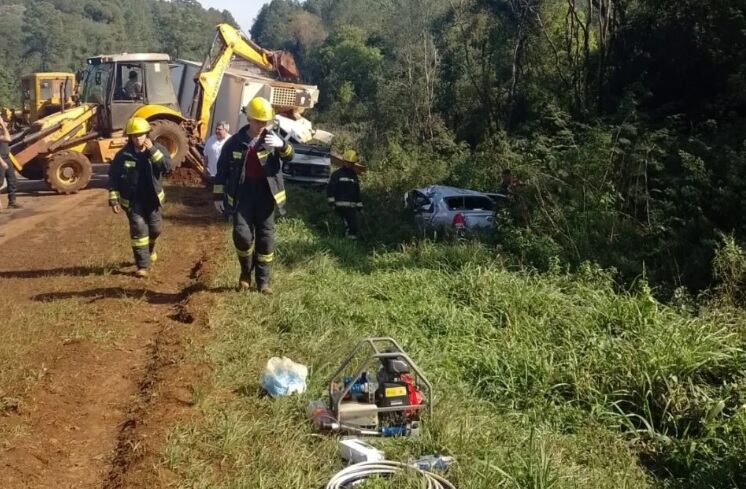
(282, 377)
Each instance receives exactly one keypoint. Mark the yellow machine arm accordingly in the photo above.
(231, 42)
(63, 130)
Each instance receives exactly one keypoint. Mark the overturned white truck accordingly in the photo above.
(239, 85)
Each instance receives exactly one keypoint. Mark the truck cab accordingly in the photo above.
(125, 85)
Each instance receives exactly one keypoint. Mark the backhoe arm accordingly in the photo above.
(229, 42)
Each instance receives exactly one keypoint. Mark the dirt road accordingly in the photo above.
(92, 364)
(39, 203)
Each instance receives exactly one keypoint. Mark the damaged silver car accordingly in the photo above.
(453, 210)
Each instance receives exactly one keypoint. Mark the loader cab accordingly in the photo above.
(121, 84)
(46, 93)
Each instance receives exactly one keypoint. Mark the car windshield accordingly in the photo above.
(469, 203)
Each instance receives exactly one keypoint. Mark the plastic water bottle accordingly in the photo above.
(320, 415)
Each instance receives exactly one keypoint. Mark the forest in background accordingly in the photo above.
(623, 120)
(58, 35)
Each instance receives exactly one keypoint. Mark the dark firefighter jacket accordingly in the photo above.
(343, 189)
(231, 169)
(129, 168)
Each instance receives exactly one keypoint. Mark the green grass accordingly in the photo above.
(29, 326)
(552, 380)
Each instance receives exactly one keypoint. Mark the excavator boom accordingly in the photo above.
(227, 43)
(280, 62)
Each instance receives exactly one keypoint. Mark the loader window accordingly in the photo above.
(96, 81)
(26, 88)
(45, 89)
(129, 82)
(158, 84)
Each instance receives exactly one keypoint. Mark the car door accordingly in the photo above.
(478, 211)
(423, 208)
(452, 205)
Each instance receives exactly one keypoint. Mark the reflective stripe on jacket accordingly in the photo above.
(343, 189)
(124, 177)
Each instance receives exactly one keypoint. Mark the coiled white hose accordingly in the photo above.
(365, 470)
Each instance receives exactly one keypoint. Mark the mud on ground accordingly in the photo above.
(93, 369)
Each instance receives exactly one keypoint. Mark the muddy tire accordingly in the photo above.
(68, 171)
(171, 136)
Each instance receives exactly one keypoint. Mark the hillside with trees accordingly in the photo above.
(623, 119)
(58, 35)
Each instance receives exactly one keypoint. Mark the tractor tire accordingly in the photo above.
(171, 136)
(68, 171)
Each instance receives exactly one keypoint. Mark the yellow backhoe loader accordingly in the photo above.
(288, 97)
(61, 147)
(229, 43)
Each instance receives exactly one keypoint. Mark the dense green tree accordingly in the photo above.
(11, 61)
(286, 25)
(272, 27)
(46, 36)
(346, 58)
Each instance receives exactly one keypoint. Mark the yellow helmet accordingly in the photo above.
(259, 109)
(137, 125)
(351, 156)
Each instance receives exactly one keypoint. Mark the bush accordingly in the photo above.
(729, 269)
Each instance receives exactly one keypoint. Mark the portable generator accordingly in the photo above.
(385, 395)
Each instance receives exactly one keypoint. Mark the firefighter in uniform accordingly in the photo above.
(249, 187)
(343, 192)
(135, 186)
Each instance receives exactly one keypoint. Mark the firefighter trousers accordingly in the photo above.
(254, 231)
(145, 227)
(350, 219)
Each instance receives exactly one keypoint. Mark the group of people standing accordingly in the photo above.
(245, 171)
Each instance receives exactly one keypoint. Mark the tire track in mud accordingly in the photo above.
(166, 350)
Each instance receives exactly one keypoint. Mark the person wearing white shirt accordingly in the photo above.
(213, 146)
